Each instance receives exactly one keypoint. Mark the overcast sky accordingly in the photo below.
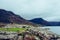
(29, 9)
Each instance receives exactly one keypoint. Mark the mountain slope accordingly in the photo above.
(44, 22)
(10, 17)
(39, 21)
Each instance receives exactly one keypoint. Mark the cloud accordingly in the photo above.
(47, 9)
(53, 18)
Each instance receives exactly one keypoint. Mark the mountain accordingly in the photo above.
(44, 22)
(10, 17)
(38, 21)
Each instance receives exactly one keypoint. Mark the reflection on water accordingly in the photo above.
(54, 29)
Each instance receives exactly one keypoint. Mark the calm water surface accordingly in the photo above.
(55, 29)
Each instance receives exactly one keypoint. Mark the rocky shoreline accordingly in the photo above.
(32, 33)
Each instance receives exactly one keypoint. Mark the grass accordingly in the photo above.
(13, 29)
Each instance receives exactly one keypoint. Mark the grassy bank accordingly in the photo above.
(13, 29)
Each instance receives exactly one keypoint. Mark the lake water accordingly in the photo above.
(55, 29)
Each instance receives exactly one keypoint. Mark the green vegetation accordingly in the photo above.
(13, 29)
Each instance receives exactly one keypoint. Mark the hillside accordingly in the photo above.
(8, 17)
(45, 22)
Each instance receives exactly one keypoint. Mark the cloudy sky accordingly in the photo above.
(29, 9)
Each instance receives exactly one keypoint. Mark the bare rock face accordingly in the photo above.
(10, 17)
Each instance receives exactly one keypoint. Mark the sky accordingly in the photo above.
(29, 9)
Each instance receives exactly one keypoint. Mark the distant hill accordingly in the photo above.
(7, 17)
(10, 17)
(38, 21)
(44, 22)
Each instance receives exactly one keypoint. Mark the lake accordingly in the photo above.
(55, 29)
